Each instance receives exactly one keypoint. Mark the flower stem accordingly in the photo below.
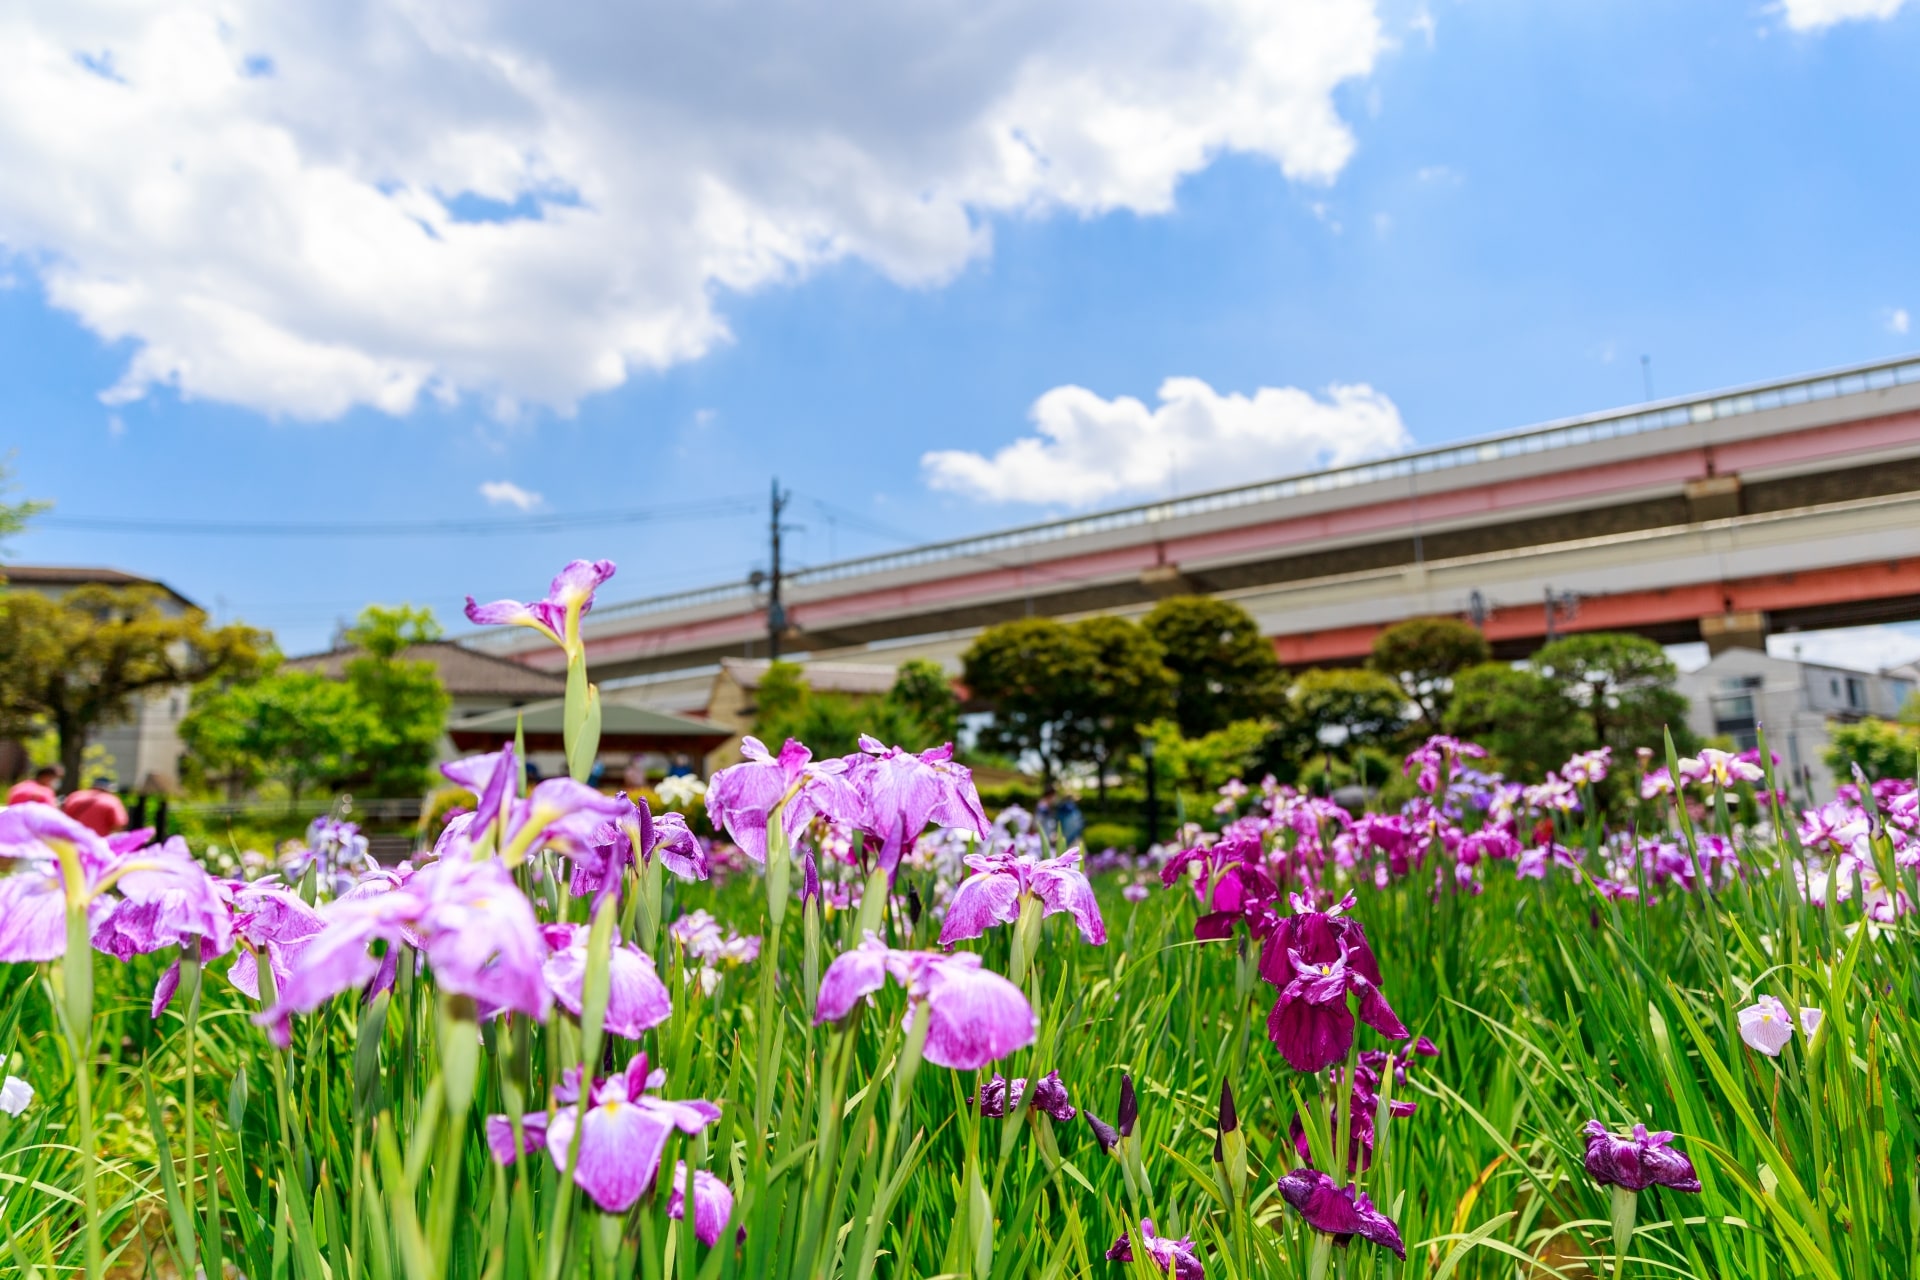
(905, 1067)
(76, 981)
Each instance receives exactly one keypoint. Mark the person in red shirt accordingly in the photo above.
(97, 809)
(42, 788)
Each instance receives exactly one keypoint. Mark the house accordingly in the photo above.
(1740, 690)
(145, 749)
(476, 682)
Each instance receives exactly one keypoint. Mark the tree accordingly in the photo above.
(78, 661)
(1517, 714)
(295, 727)
(1350, 708)
(1206, 762)
(1036, 674)
(15, 515)
(924, 705)
(1129, 685)
(1224, 669)
(1622, 687)
(1882, 749)
(920, 711)
(1422, 655)
(404, 699)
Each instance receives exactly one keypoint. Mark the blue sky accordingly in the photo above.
(1487, 225)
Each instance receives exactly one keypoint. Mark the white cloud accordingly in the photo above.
(1086, 449)
(308, 207)
(1898, 321)
(1814, 15)
(505, 493)
(1872, 648)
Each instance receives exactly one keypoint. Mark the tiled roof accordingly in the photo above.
(465, 672)
(61, 575)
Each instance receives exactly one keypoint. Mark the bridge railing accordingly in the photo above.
(995, 548)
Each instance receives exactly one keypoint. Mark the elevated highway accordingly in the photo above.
(1792, 504)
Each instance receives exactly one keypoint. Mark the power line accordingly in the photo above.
(710, 508)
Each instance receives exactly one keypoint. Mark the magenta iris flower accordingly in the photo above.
(1437, 752)
(1049, 1096)
(477, 929)
(741, 798)
(1638, 1161)
(973, 1015)
(712, 1203)
(1175, 1257)
(1316, 958)
(992, 895)
(636, 998)
(901, 793)
(558, 616)
(1233, 885)
(1341, 1212)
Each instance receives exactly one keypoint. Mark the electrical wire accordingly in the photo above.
(523, 526)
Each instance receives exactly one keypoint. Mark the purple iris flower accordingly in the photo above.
(1366, 1105)
(563, 815)
(1108, 1136)
(477, 929)
(741, 798)
(493, 778)
(973, 1015)
(622, 1134)
(1175, 1257)
(636, 998)
(901, 792)
(1637, 1162)
(1049, 1095)
(712, 1203)
(166, 899)
(992, 895)
(1342, 1212)
(263, 916)
(137, 899)
(558, 616)
(1316, 958)
(597, 867)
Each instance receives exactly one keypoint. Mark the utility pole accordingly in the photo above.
(776, 612)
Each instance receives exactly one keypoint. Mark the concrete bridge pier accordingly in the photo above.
(1743, 629)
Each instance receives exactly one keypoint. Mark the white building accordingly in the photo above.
(1740, 690)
